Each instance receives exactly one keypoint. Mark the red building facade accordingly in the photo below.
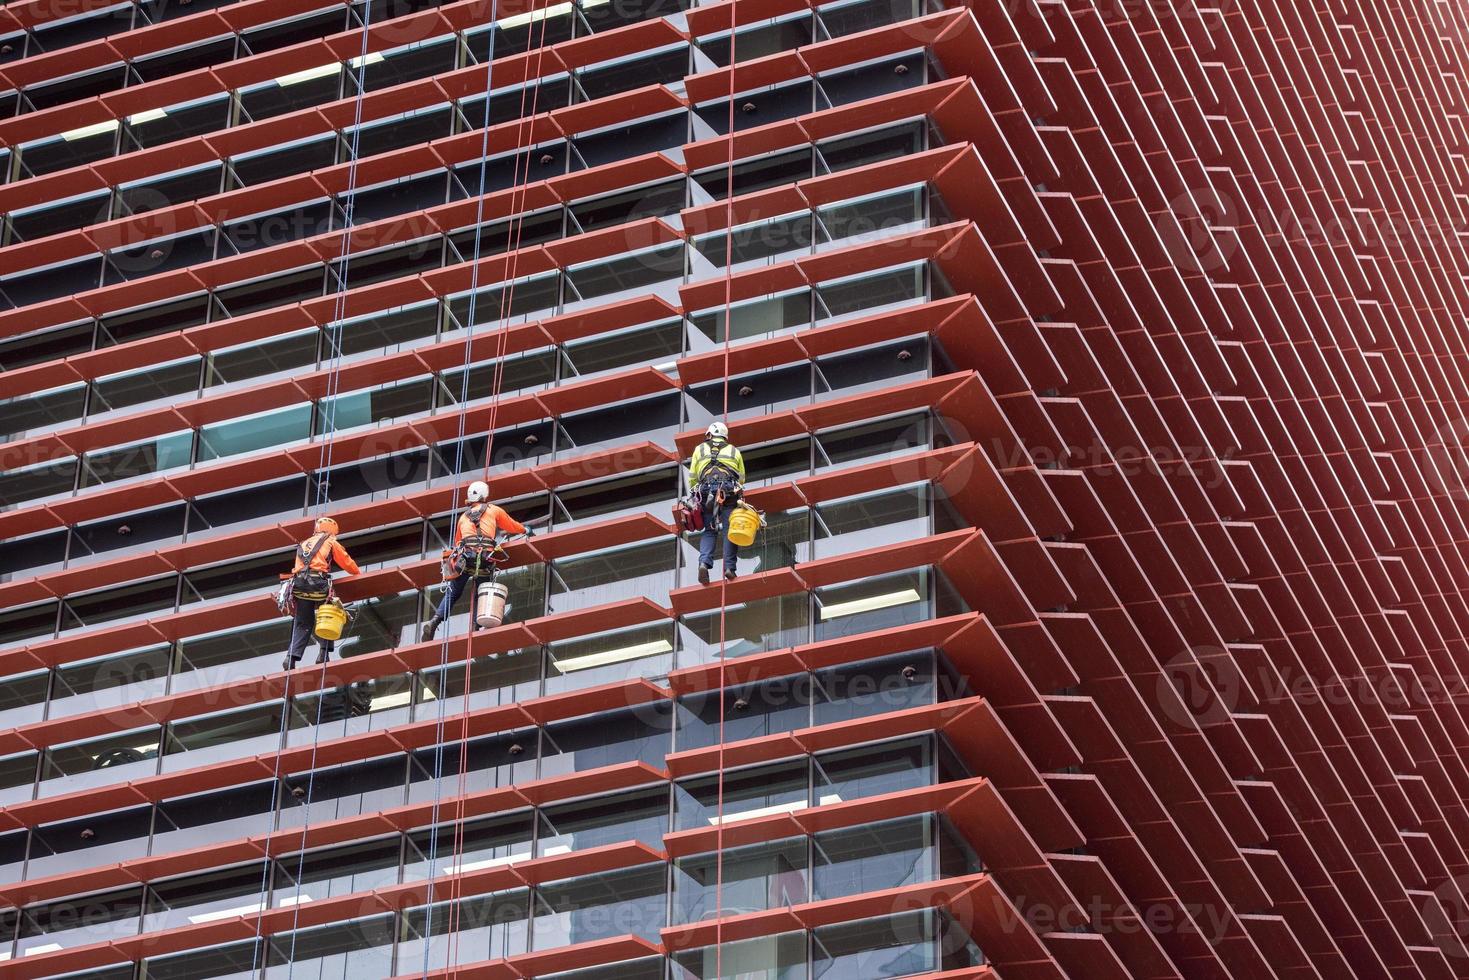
(1098, 369)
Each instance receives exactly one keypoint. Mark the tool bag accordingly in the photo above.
(687, 514)
(310, 584)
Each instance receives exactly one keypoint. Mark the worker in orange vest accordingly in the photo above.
(311, 585)
(470, 563)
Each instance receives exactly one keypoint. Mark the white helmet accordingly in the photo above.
(717, 431)
(479, 492)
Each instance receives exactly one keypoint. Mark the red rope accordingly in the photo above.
(724, 580)
(519, 193)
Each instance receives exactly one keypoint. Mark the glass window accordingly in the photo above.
(663, 66)
(170, 381)
(754, 879)
(118, 752)
(602, 16)
(293, 287)
(256, 361)
(874, 857)
(665, 132)
(111, 681)
(519, 373)
(657, 344)
(286, 160)
(55, 217)
(872, 604)
(654, 419)
(656, 200)
(80, 921)
(868, 442)
(176, 188)
(762, 240)
(251, 505)
(851, 691)
(872, 521)
(375, 406)
(841, 19)
(246, 435)
(875, 80)
(23, 698)
(28, 623)
(606, 739)
(298, 90)
(221, 657)
(874, 770)
(885, 213)
(330, 872)
(601, 906)
(646, 492)
(18, 776)
(781, 957)
(895, 946)
(641, 815)
(484, 927)
(870, 293)
(782, 704)
(140, 459)
(409, 129)
(411, 62)
(758, 174)
(361, 948)
(644, 651)
(860, 149)
(89, 841)
(763, 790)
(620, 275)
(756, 318)
(228, 735)
(41, 411)
(612, 576)
(760, 41)
(86, 145)
(37, 286)
(234, 962)
(748, 628)
(150, 321)
(155, 127)
(258, 231)
(342, 791)
(209, 818)
(48, 345)
(876, 367)
(493, 680)
(123, 602)
(451, 848)
(23, 557)
(488, 763)
(197, 899)
(35, 482)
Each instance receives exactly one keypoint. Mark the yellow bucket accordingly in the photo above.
(331, 619)
(743, 523)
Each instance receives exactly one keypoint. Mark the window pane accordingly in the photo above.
(164, 453)
(757, 878)
(260, 432)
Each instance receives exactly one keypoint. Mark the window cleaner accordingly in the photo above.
(717, 476)
(473, 560)
(309, 599)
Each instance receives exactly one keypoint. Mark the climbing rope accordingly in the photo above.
(724, 580)
(323, 492)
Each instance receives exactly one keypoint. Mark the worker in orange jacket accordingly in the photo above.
(475, 534)
(311, 585)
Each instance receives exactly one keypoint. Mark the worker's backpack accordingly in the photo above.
(310, 584)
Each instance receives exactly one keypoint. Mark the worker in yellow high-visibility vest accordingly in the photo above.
(717, 478)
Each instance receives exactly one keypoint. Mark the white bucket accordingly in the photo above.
(490, 604)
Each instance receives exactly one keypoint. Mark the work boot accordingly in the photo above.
(288, 664)
(703, 574)
(323, 656)
(430, 627)
(729, 574)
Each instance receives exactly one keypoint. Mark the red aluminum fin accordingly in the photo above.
(596, 619)
(710, 294)
(589, 700)
(594, 782)
(730, 929)
(740, 359)
(716, 150)
(750, 588)
(581, 539)
(879, 643)
(589, 861)
(748, 752)
(715, 18)
(740, 833)
(876, 561)
(596, 953)
(757, 73)
(894, 724)
(744, 670)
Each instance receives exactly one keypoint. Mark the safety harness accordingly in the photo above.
(474, 554)
(309, 583)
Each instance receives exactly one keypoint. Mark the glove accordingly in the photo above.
(530, 532)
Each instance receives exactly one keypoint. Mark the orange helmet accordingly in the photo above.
(327, 524)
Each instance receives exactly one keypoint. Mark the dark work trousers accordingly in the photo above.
(455, 588)
(303, 631)
(713, 513)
